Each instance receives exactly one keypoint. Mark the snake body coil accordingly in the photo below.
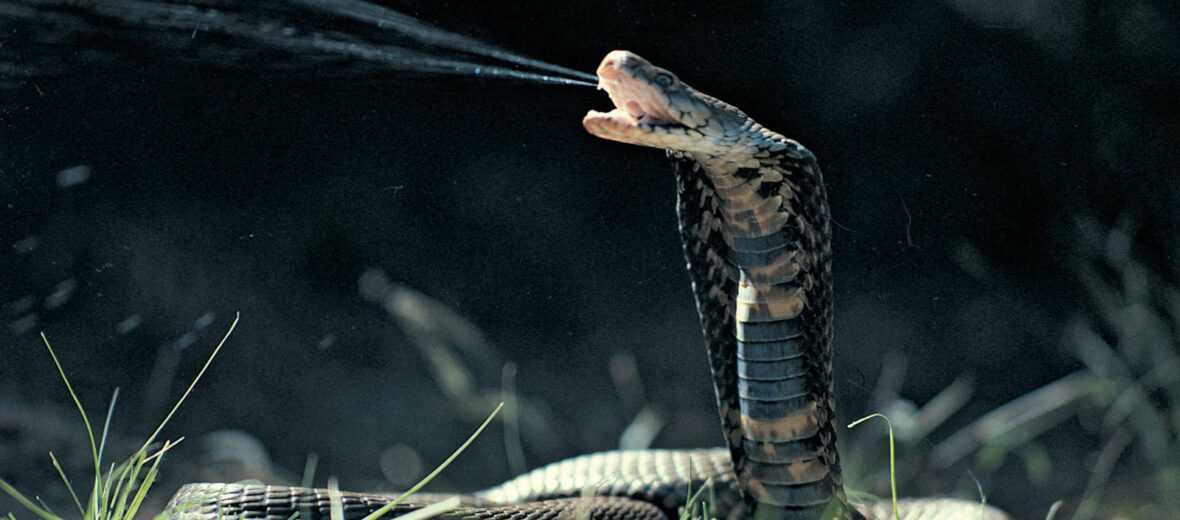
(754, 222)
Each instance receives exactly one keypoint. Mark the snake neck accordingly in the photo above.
(756, 237)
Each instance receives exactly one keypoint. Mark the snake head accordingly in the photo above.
(654, 108)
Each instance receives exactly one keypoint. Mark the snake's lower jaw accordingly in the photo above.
(617, 125)
(605, 124)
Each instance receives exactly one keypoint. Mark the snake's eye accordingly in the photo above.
(663, 80)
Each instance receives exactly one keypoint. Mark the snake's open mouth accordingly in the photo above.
(633, 114)
(641, 104)
(636, 101)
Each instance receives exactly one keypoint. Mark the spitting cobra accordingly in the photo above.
(755, 227)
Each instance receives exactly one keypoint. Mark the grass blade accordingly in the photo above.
(432, 510)
(106, 424)
(148, 479)
(189, 390)
(16, 495)
(335, 500)
(86, 420)
(69, 487)
(892, 458)
(385, 509)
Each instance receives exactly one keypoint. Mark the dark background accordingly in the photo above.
(981, 157)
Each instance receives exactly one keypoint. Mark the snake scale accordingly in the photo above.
(754, 222)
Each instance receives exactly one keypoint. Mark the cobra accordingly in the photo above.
(755, 226)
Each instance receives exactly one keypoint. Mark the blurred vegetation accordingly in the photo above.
(1125, 400)
(1130, 340)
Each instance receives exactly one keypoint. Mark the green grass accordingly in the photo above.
(699, 507)
(893, 471)
(892, 458)
(118, 492)
(433, 509)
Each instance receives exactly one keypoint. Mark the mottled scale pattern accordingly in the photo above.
(206, 501)
(651, 483)
(714, 283)
(661, 477)
(260, 502)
